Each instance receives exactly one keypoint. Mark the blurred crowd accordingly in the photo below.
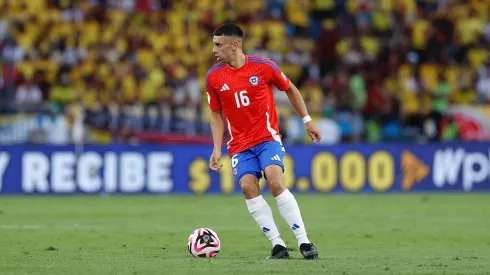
(124, 70)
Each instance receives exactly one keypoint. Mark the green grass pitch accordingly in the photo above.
(355, 234)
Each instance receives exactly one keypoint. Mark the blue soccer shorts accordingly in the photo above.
(254, 160)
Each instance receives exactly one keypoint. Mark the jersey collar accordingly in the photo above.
(246, 62)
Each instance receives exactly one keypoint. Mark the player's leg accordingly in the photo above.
(262, 213)
(246, 170)
(271, 156)
(289, 209)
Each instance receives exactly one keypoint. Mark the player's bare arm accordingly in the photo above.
(217, 129)
(299, 105)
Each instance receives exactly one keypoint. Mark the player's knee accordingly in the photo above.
(274, 175)
(275, 183)
(276, 187)
(249, 185)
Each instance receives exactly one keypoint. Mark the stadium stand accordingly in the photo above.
(133, 70)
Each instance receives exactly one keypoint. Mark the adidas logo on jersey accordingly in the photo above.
(224, 88)
(276, 157)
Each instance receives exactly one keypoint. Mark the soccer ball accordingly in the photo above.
(204, 243)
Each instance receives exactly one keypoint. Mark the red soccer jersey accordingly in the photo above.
(245, 95)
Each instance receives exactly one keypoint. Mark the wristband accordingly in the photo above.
(306, 119)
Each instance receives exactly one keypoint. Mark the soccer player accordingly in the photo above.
(240, 86)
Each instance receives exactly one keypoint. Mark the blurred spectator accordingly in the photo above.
(441, 94)
(28, 95)
(450, 130)
(369, 70)
(483, 88)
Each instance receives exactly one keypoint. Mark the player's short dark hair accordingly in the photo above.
(229, 29)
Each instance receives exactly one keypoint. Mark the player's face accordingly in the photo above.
(223, 48)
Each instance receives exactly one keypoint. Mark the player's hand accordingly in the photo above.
(313, 131)
(214, 161)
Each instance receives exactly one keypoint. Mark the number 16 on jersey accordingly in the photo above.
(242, 99)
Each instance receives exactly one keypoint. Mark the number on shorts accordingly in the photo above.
(234, 161)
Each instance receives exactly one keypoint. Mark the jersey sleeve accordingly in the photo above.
(213, 100)
(276, 76)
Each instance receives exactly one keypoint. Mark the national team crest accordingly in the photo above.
(254, 80)
(235, 171)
